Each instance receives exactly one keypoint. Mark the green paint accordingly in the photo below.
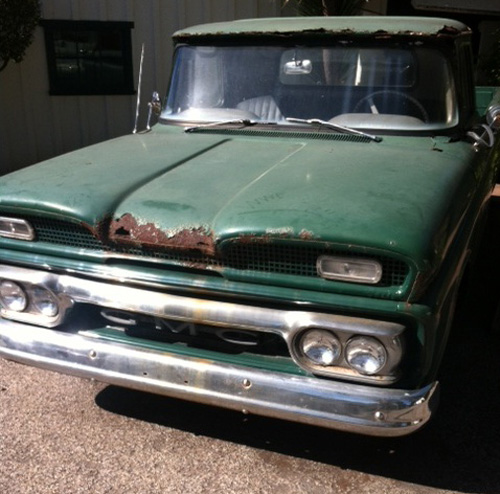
(399, 196)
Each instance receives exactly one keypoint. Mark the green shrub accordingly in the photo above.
(18, 20)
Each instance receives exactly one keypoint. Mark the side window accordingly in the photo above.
(467, 81)
(488, 66)
(89, 57)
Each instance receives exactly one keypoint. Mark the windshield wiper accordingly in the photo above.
(234, 121)
(334, 126)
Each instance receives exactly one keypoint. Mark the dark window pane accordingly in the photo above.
(89, 57)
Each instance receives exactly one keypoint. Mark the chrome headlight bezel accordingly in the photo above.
(366, 355)
(321, 347)
(33, 312)
(388, 373)
(44, 301)
(12, 290)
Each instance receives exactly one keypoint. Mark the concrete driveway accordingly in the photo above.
(60, 434)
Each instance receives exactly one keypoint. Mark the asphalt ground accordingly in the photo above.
(60, 434)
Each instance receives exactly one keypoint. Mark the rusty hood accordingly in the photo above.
(170, 189)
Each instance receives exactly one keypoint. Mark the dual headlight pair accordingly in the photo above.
(31, 298)
(319, 349)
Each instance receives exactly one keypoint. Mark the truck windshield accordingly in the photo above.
(386, 88)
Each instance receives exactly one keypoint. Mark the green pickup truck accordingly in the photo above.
(287, 240)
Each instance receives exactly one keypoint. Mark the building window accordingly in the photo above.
(89, 57)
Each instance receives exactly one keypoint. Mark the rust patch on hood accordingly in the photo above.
(270, 236)
(253, 239)
(306, 235)
(99, 229)
(127, 229)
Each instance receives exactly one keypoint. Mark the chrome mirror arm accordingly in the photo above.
(154, 108)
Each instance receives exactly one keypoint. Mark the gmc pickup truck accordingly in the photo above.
(287, 240)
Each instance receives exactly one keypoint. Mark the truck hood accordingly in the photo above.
(194, 191)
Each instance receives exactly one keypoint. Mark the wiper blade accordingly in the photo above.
(234, 121)
(334, 126)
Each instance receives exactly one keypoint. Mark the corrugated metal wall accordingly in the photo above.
(35, 126)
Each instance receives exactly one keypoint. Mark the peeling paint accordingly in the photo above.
(448, 31)
(128, 229)
(306, 235)
(254, 239)
(326, 26)
(280, 232)
(272, 234)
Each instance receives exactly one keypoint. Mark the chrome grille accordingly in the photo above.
(297, 260)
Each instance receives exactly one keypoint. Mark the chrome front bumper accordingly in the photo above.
(320, 402)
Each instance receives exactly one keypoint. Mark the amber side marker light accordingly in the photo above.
(349, 269)
(16, 228)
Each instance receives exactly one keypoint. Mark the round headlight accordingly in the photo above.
(44, 301)
(365, 355)
(320, 347)
(13, 297)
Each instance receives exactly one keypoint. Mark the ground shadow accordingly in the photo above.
(459, 449)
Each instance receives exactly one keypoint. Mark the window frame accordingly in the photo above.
(60, 87)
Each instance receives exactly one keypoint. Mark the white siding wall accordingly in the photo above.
(35, 126)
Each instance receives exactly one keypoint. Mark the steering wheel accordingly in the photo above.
(369, 99)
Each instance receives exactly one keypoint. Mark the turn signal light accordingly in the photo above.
(351, 269)
(16, 228)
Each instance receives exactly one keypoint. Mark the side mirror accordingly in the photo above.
(154, 108)
(493, 117)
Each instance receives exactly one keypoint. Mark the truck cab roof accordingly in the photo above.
(358, 26)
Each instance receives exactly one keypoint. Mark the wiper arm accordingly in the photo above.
(334, 126)
(234, 121)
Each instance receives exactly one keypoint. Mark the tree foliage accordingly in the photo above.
(328, 7)
(18, 20)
